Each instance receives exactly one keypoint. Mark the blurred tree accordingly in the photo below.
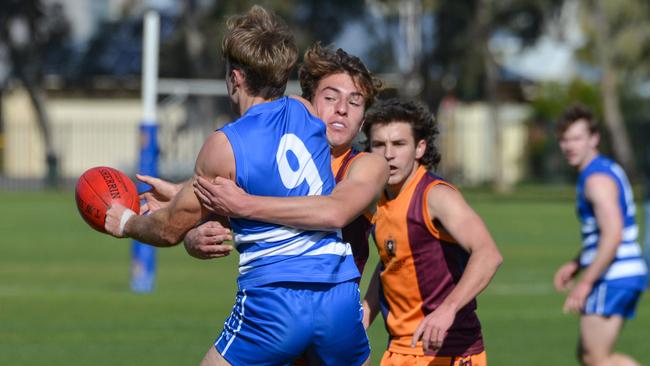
(464, 31)
(447, 47)
(202, 27)
(618, 43)
(28, 29)
(195, 50)
(545, 160)
(201, 60)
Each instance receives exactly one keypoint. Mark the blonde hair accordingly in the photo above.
(260, 45)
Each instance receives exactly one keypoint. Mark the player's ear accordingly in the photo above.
(237, 76)
(420, 148)
(230, 80)
(595, 139)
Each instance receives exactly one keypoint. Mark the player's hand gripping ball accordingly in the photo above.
(98, 188)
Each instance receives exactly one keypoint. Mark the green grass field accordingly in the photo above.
(64, 297)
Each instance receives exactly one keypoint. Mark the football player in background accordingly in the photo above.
(613, 272)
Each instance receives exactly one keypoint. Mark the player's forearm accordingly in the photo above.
(605, 254)
(313, 213)
(347, 201)
(370, 312)
(482, 265)
(153, 229)
(371, 300)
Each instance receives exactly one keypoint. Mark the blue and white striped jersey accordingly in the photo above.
(628, 268)
(281, 150)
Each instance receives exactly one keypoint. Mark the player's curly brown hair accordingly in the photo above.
(423, 125)
(319, 62)
(572, 114)
(259, 44)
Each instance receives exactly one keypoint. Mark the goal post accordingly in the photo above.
(143, 256)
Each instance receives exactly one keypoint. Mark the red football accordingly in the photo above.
(97, 188)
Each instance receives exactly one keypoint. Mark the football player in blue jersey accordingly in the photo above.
(341, 89)
(298, 289)
(613, 274)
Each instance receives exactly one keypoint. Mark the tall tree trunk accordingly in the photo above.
(37, 97)
(2, 130)
(609, 93)
(25, 54)
(200, 109)
(410, 21)
(492, 86)
(28, 71)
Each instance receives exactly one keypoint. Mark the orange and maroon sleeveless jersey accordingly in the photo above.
(356, 233)
(421, 266)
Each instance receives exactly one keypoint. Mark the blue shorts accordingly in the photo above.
(607, 300)
(277, 323)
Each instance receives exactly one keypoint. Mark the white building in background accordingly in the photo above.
(85, 133)
(467, 147)
(94, 132)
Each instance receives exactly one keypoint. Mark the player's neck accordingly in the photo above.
(393, 190)
(245, 102)
(588, 159)
(338, 151)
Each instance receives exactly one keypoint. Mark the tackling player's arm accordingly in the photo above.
(360, 189)
(448, 206)
(371, 300)
(206, 241)
(167, 226)
(602, 192)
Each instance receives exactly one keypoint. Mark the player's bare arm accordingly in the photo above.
(371, 300)
(206, 241)
(564, 276)
(355, 193)
(168, 226)
(602, 192)
(463, 224)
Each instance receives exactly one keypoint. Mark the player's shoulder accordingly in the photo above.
(216, 139)
(439, 189)
(368, 163)
(216, 157)
(431, 180)
(600, 183)
(366, 158)
(600, 170)
(441, 194)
